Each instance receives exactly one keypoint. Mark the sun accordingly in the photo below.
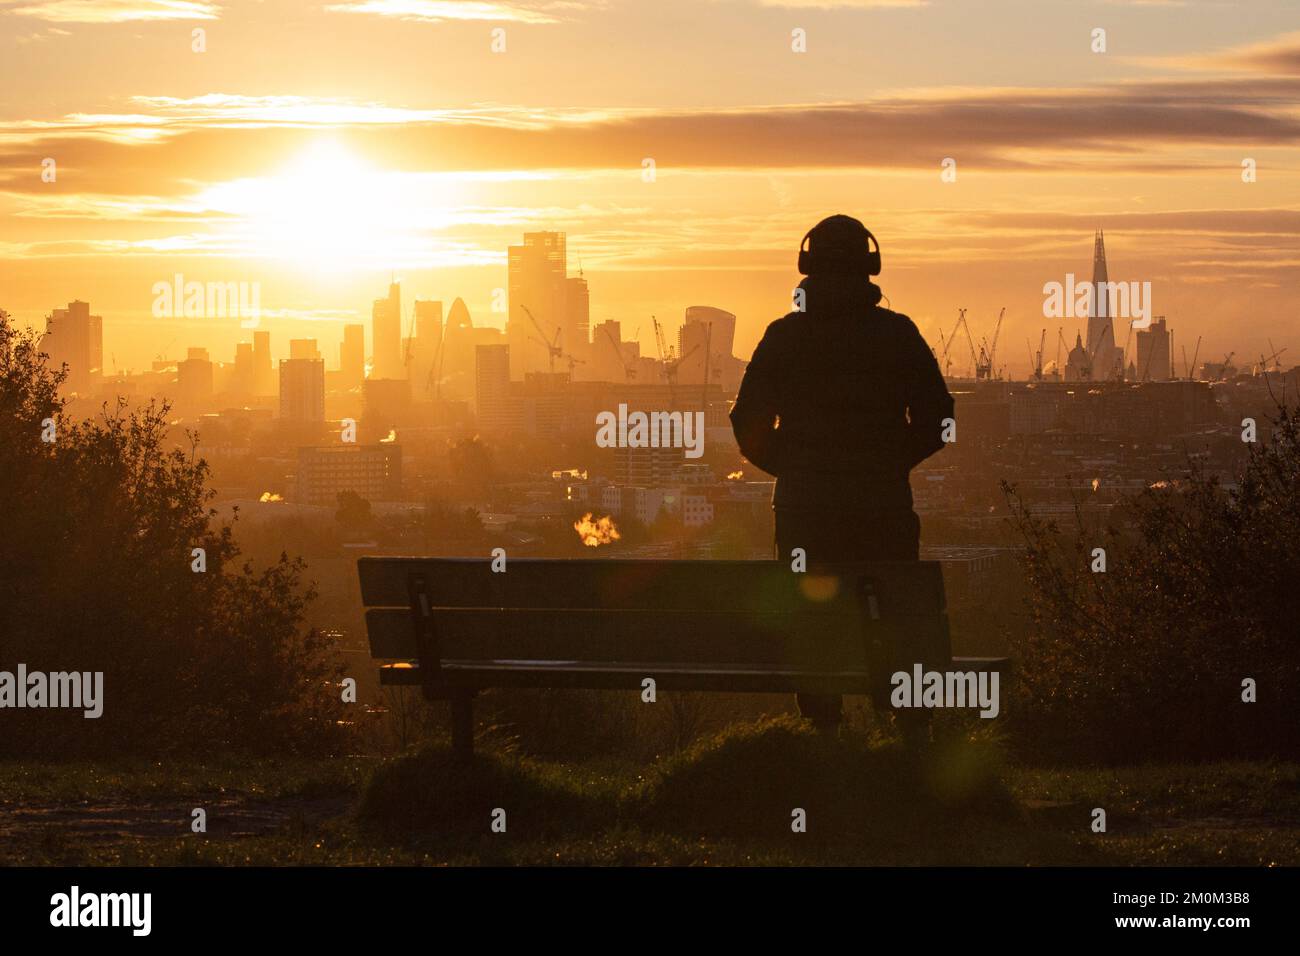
(326, 209)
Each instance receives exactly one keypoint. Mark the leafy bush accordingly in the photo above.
(1148, 659)
(95, 564)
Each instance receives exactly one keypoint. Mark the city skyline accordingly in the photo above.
(321, 179)
(415, 348)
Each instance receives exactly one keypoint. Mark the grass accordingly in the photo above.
(727, 800)
(78, 781)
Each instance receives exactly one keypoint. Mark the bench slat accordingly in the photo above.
(903, 586)
(477, 675)
(686, 637)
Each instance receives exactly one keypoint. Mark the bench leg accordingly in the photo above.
(462, 726)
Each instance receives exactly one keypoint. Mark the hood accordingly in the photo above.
(839, 295)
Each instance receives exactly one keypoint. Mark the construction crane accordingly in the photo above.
(1191, 369)
(1036, 359)
(947, 348)
(988, 351)
(1223, 369)
(553, 349)
(629, 371)
(970, 340)
(434, 378)
(670, 362)
(665, 352)
(1264, 360)
(410, 339)
(1123, 366)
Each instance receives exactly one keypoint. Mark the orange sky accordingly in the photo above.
(317, 148)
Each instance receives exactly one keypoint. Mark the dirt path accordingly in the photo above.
(228, 818)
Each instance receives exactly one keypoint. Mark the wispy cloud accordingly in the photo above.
(843, 4)
(1278, 56)
(1138, 128)
(437, 11)
(117, 11)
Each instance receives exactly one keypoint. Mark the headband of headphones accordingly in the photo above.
(840, 259)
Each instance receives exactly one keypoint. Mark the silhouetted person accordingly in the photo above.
(840, 401)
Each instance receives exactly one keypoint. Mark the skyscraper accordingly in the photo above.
(386, 335)
(1107, 359)
(194, 378)
(352, 356)
(302, 389)
(75, 337)
(576, 328)
(537, 271)
(455, 375)
(426, 341)
(609, 361)
(1154, 356)
(496, 408)
(263, 380)
(707, 333)
(303, 349)
(241, 380)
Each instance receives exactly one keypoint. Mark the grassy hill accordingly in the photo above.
(730, 799)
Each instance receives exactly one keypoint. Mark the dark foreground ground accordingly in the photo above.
(728, 800)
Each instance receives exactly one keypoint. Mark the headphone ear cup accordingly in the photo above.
(873, 255)
(803, 262)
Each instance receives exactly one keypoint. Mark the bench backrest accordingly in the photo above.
(686, 612)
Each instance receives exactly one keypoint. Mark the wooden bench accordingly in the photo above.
(454, 627)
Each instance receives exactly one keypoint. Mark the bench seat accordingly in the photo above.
(601, 675)
(454, 627)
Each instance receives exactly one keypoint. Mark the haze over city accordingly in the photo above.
(322, 150)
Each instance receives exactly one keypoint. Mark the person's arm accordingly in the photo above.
(753, 417)
(928, 401)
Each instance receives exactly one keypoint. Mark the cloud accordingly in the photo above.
(437, 11)
(843, 4)
(1279, 56)
(162, 144)
(118, 11)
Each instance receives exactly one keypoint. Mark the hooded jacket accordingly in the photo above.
(841, 401)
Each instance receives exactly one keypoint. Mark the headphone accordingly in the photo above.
(865, 260)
